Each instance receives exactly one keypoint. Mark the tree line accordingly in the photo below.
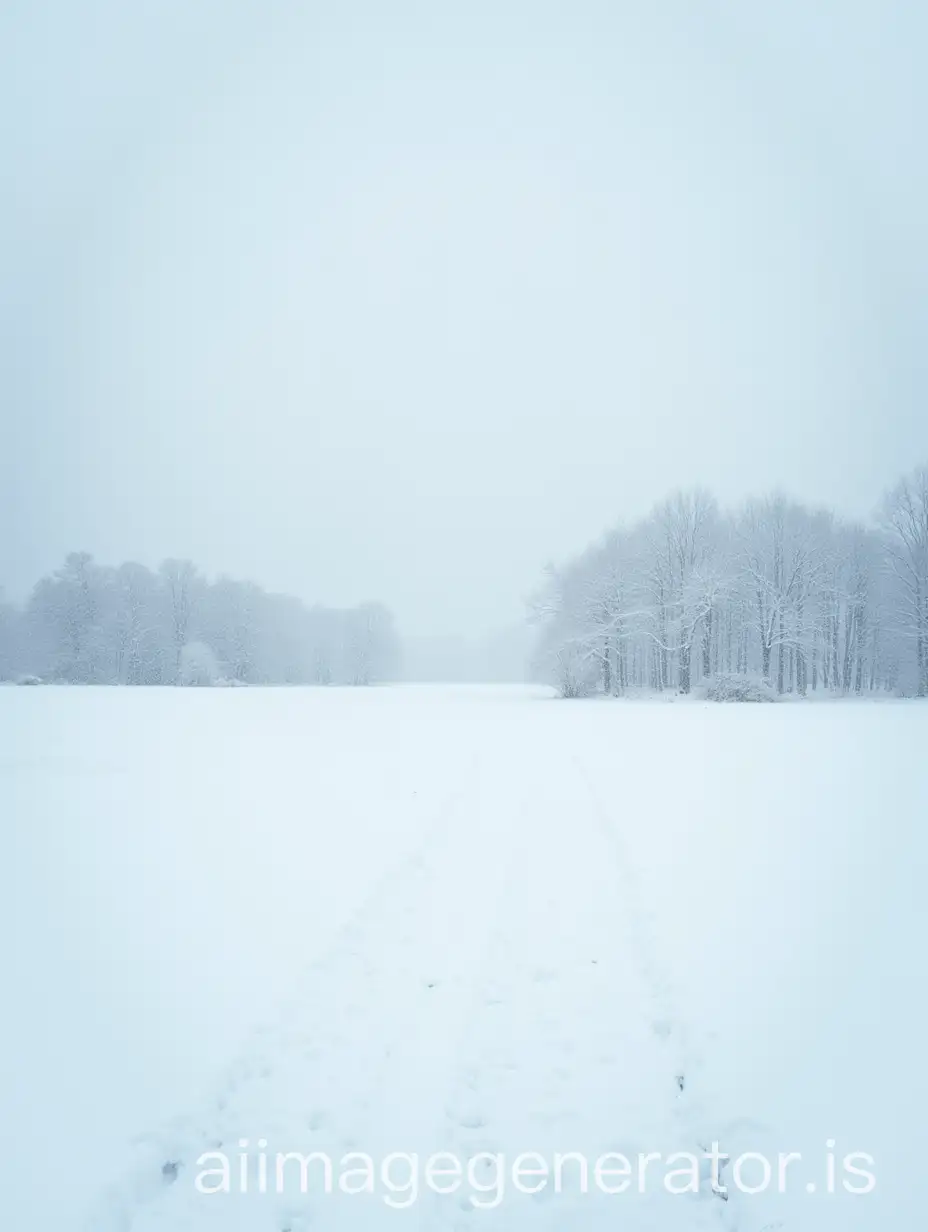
(797, 596)
(88, 623)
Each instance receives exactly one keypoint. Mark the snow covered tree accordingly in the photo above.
(369, 645)
(139, 622)
(905, 519)
(86, 623)
(182, 585)
(66, 612)
(9, 640)
(794, 595)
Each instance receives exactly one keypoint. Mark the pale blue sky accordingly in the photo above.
(400, 300)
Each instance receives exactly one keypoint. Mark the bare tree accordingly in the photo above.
(905, 517)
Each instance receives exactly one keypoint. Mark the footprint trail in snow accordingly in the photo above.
(496, 994)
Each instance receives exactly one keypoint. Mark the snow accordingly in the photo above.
(460, 919)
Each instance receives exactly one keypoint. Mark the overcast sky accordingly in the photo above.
(394, 300)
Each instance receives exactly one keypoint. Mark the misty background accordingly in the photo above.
(399, 302)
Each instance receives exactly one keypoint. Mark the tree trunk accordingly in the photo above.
(684, 668)
(780, 656)
(707, 644)
(815, 662)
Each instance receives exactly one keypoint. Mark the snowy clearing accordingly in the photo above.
(456, 919)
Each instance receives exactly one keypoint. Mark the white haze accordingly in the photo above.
(399, 301)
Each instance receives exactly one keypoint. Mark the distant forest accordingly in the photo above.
(796, 597)
(88, 623)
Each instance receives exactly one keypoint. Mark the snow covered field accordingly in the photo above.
(456, 919)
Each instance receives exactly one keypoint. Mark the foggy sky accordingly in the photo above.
(398, 301)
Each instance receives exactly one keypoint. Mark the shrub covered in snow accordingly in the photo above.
(735, 687)
(28, 680)
(198, 665)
